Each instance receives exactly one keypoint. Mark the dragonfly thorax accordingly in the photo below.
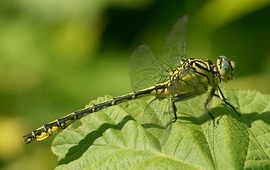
(192, 77)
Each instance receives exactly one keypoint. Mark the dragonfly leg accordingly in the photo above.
(221, 96)
(207, 100)
(175, 115)
(174, 112)
(186, 96)
(182, 97)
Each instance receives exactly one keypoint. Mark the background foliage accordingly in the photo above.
(56, 56)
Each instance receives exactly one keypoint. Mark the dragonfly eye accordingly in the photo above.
(225, 68)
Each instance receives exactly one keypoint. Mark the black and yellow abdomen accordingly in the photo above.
(63, 122)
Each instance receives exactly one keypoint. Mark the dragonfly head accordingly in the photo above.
(225, 68)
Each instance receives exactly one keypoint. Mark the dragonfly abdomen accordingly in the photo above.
(61, 123)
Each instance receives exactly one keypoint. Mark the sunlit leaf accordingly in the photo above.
(114, 138)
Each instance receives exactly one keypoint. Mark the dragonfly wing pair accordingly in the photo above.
(146, 70)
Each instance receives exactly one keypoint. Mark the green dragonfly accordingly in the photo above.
(170, 79)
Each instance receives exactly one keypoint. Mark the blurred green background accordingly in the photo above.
(56, 56)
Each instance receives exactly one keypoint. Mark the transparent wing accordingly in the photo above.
(157, 116)
(175, 46)
(145, 69)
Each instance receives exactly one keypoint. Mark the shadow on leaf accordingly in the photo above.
(78, 150)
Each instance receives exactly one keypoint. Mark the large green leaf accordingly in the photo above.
(114, 138)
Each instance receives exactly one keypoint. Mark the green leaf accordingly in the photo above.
(114, 138)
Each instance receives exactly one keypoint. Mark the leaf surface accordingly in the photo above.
(114, 138)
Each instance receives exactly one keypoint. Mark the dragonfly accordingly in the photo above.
(171, 78)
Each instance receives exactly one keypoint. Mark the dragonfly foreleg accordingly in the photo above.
(221, 96)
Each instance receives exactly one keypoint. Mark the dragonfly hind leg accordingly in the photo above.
(175, 115)
(182, 97)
